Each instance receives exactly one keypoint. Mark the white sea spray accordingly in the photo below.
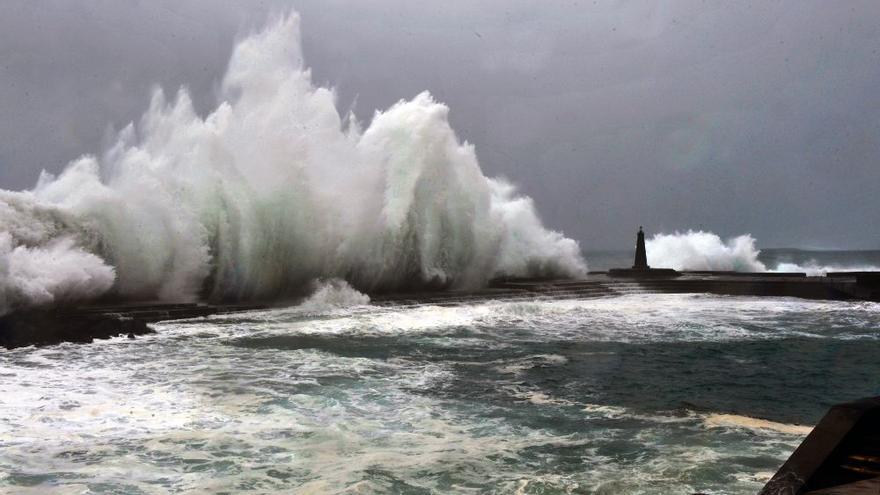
(699, 250)
(270, 190)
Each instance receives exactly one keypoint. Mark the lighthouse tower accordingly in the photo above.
(641, 262)
(640, 268)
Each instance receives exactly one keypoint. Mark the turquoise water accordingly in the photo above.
(631, 394)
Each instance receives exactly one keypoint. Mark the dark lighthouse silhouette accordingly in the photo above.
(640, 266)
(641, 262)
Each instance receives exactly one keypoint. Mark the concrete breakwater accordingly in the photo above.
(841, 455)
(836, 286)
(83, 324)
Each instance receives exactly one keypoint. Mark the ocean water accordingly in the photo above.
(644, 394)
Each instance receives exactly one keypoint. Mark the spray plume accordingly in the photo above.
(698, 250)
(271, 190)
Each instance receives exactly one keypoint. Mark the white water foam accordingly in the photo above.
(56, 272)
(815, 269)
(270, 190)
(634, 318)
(698, 250)
(333, 294)
(737, 421)
(276, 402)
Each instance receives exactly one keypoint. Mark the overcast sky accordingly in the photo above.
(736, 117)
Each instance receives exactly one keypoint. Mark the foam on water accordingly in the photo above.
(727, 420)
(333, 294)
(270, 190)
(628, 318)
(500, 397)
(814, 269)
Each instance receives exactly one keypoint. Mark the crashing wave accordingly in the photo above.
(272, 189)
(698, 250)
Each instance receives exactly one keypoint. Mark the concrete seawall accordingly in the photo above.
(83, 324)
(840, 456)
(849, 286)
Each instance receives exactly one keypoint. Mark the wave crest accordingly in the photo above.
(275, 188)
(333, 294)
(698, 250)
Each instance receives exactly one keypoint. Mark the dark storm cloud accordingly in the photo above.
(735, 117)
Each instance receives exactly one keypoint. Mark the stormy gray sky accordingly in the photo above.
(755, 117)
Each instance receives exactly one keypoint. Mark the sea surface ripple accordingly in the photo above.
(631, 394)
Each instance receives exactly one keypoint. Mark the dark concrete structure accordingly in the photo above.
(641, 261)
(840, 456)
(640, 266)
(600, 284)
(45, 327)
(84, 324)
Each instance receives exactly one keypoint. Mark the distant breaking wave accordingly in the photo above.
(814, 269)
(699, 250)
(271, 190)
